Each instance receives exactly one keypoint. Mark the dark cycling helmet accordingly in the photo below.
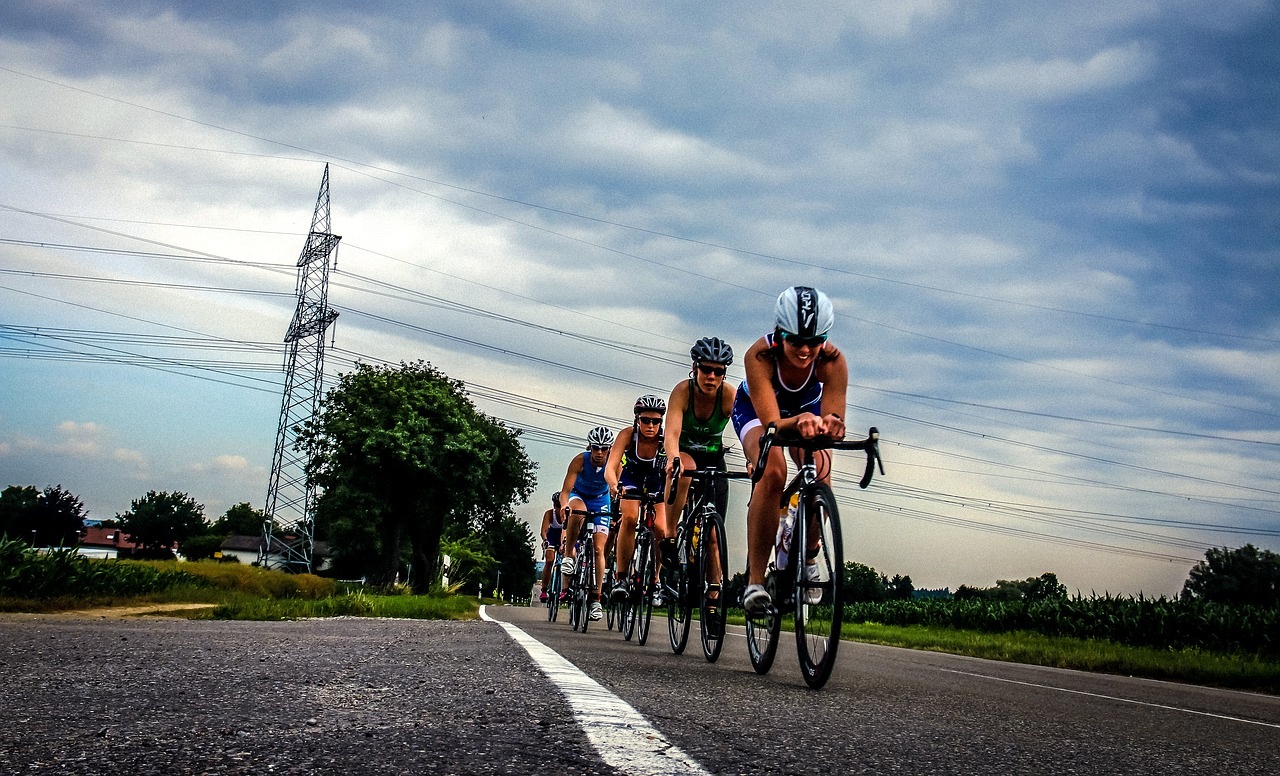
(804, 311)
(600, 437)
(650, 403)
(713, 350)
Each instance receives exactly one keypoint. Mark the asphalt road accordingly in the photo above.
(396, 696)
(889, 710)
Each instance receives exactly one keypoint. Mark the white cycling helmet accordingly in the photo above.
(650, 403)
(600, 437)
(804, 312)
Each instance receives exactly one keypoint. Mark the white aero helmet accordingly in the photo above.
(804, 312)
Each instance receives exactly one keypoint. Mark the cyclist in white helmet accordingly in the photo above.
(796, 379)
(585, 489)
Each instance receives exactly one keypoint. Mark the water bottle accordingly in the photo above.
(697, 529)
(786, 522)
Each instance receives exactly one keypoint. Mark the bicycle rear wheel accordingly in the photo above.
(644, 607)
(819, 597)
(713, 546)
(679, 608)
(762, 629)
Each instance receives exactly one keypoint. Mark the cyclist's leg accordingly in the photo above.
(600, 538)
(549, 559)
(687, 464)
(762, 511)
(627, 535)
(573, 527)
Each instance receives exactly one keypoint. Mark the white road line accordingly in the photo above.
(623, 738)
(1114, 698)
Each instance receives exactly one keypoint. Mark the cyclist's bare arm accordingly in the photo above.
(613, 467)
(834, 375)
(570, 477)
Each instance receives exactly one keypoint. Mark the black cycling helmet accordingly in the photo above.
(713, 350)
(804, 312)
(650, 403)
(600, 437)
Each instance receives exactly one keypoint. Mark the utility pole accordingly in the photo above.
(288, 528)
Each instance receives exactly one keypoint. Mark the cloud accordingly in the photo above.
(1061, 78)
(227, 464)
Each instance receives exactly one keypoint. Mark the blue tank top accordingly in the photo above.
(590, 482)
(793, 401)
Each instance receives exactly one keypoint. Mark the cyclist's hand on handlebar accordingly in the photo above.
(807, 425)
(833, 426)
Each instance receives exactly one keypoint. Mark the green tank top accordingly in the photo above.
(703, 436)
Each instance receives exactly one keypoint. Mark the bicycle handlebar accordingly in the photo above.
(871, 445)
(701, 474)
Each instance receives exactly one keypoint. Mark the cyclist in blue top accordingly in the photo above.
(797, 380)
(637, 463)
(585, 489)
(552, 534)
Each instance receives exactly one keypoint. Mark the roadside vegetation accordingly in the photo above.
(59, 580)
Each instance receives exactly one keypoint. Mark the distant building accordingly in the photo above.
(246, 549)
(100, 542)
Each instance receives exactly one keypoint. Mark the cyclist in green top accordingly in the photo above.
(697, 413)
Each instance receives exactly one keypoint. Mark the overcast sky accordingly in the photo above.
(1049, 231)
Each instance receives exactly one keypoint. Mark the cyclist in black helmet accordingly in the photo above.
(637, 462)
(797, 380)
(697, 412)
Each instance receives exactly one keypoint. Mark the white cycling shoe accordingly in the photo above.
(756, 600)
(812, 595)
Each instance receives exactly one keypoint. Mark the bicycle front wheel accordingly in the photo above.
(644, 607)
(711, 578)
(635, 589)
(553, 599)
(606, 591)
(819, 586)
(586, 585)
(679, 609)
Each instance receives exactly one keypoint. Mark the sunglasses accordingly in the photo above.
(599, 448)
(795, 340)
(649, 421)
(715, 371)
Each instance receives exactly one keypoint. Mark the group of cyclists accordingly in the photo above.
(796, 381)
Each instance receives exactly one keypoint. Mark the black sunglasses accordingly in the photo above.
(650, 421)
(717, 371)
(798, 341)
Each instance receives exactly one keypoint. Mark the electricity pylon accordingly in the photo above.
(288, 528)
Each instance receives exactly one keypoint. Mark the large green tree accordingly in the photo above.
(400, 453)
(159, 520)
(52, 517)
(1246, 575)
(240, 520)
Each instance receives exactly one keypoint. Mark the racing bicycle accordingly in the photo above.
(701, 575)
(809, 585)
(637, 608)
